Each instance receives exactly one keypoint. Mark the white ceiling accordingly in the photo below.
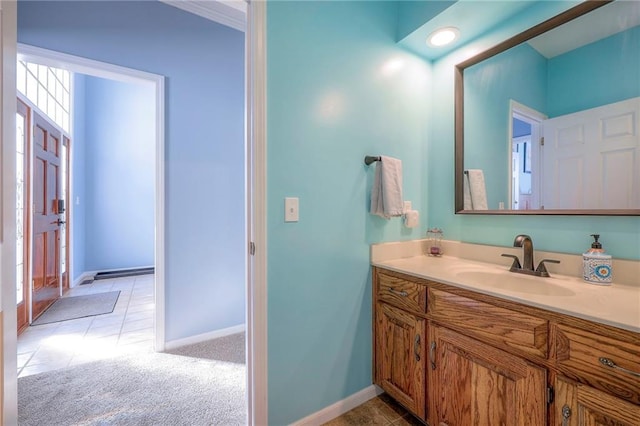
(598, 24)
(232, 13)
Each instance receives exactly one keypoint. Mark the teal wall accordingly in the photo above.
(338, 88)
(519, 74)
(609, 67)
(570, 234)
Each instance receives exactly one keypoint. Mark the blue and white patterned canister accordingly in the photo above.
(597, 268)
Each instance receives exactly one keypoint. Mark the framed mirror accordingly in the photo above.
(548, 121)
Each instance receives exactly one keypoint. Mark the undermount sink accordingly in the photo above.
(515, 282)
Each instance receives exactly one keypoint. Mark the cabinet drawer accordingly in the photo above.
(503, 327)
(402, 293)
(606, 363)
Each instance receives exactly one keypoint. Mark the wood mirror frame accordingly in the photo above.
(532, 32)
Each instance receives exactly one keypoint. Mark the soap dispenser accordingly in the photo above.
(597, 264)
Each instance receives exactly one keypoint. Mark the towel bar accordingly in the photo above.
(370, 159)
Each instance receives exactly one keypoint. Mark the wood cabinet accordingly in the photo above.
(582, 405)
(605, 362)
(400, 357)
(474, 383)
(489, 361)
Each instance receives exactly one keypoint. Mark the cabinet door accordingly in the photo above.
(472, 383)
(399, 347)
(581, 405)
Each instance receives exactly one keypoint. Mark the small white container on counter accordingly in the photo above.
(597, 265)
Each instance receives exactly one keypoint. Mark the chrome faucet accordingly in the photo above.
(526, 243)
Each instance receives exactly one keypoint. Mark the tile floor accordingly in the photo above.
(381, 410)
(128, 329)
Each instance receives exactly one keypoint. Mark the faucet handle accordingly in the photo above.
(516, 262)
(542, 269)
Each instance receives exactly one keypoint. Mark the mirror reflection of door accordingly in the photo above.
(592, 158)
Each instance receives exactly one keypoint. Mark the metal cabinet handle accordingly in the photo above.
(432, 355)
(399, 293)
(609, 363)
(566, 414)
(416, 347)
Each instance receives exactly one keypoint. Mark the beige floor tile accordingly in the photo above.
(381, 410)
(52, 346)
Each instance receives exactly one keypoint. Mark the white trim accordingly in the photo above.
(232, 13)
(95, 68)
(83, 276)
(86, 66)
(9, 373)
(172, 344)
(256, 104)
(339, 408)
(90, 274)
(159, 288)
(534, 118)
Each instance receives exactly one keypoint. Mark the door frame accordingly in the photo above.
(256, 213)
(534, 118)
(77, 64)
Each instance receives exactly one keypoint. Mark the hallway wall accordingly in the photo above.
(203, 63)
(113, 175)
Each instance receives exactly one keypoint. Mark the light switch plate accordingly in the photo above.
(291, 209)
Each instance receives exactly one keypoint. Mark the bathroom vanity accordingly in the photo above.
(460, 342)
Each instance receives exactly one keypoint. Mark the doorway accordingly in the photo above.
(525, 168)
(66, 200)
(256, 307)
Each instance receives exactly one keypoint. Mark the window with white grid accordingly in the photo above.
(48, 88)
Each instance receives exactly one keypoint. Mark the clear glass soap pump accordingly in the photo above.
(434, 237)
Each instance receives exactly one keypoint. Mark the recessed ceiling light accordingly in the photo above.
(443, 36)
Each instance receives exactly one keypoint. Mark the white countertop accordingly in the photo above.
(617, 305)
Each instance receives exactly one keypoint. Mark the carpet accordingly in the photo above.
(149, 389)
(68, 308)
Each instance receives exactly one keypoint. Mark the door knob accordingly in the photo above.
(59, 222)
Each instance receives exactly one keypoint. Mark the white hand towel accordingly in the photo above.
(477, 189)
(466, 192)
(386, 194)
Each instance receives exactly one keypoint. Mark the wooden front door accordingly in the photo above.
(46, 218)
(22, 278)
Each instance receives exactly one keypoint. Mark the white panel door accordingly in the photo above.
(591, 159)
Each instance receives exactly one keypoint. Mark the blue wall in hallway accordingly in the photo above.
(78, 160)
(204, 148)
(338, 89)
(120, 174)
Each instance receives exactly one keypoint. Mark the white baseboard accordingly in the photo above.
(204, 337)
(83, 276)
(339, 408)
(91, 274)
